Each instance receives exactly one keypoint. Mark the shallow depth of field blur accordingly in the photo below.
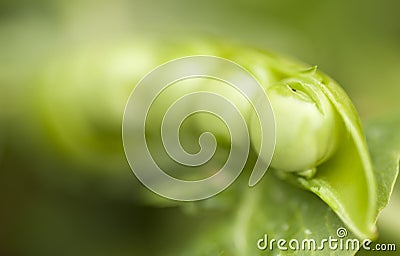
(65, 185)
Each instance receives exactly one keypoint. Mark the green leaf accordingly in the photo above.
(274, 208)
(280, 210)
(383, 138)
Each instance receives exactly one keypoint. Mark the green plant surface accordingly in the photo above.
(280, 210)
(66, 70)
(341, 175)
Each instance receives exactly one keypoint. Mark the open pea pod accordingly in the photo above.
(346, 181)
(320, 143)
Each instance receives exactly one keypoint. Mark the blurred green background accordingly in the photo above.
(67, 68)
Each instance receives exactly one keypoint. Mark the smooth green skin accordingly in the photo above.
(305, 122)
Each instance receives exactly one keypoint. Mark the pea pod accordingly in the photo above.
(342, 174)
(320, 143)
